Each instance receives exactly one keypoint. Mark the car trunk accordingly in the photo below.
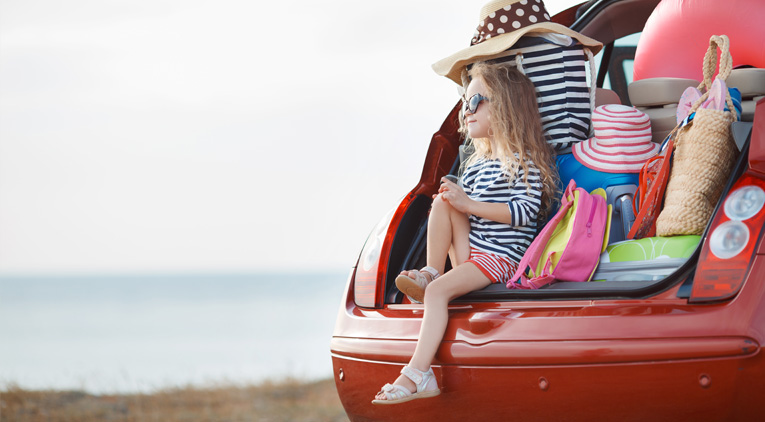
(632, 279)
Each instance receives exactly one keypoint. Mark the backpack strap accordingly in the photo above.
(545, 278)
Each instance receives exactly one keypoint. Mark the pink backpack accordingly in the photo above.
(569, 246)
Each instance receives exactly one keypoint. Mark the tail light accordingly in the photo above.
(731, 245)
(369, 281)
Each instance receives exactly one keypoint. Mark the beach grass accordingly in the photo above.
(286, 400)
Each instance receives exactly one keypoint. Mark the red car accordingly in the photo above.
(685, 344)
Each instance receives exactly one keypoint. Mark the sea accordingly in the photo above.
(138, 334)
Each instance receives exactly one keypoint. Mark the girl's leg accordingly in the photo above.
(448, 231)
(460, 281)
(448, 234)
(457, 282)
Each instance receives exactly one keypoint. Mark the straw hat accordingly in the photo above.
(501, 24)
(622, 140)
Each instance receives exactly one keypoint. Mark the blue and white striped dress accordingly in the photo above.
(486, 181)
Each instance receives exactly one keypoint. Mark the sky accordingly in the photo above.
(192, 136)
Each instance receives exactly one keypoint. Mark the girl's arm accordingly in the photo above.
(521, 210)
(457, 197)
(493, 211)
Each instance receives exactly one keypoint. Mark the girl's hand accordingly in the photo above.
(455, 195)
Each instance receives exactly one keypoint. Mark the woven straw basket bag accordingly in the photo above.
(704, 156)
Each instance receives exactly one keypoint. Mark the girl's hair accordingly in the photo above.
(513, 97)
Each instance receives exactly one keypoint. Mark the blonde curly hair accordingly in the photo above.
(512, 96)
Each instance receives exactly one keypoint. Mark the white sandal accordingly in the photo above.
(426, 383)
(415, 287)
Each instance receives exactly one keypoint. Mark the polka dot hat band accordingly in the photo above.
(510, 18)
(501, 24)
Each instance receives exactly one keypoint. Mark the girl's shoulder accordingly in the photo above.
(510, 162)
(481, 164)
(511, 167)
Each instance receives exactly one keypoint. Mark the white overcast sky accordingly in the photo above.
(213, 136)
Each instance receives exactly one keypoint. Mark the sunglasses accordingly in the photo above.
(471, 105)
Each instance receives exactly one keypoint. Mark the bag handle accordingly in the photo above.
(710, 66)
(710, 59)
(568, 194)
(593, 86)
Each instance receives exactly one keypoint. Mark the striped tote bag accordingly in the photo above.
(560, 77)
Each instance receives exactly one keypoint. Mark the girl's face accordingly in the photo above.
(476, 119)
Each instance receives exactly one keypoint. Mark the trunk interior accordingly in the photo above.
(632, 279)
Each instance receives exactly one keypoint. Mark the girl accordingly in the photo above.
(485, 226)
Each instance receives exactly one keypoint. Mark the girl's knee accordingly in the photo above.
(440, 204)
(437, 292)
(432, 292)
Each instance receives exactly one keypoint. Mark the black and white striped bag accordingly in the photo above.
(560, 77)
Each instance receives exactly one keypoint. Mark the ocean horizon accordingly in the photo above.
(141, 333)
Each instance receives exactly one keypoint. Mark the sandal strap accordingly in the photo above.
(394, 392)
(432, 271)
(419, 378)
(413, 374)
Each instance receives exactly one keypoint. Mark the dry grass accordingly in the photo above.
(271, 401)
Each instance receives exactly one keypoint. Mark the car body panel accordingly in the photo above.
(628, 354)
(679, 390)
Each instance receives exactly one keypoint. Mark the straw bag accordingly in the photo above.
(704, 156)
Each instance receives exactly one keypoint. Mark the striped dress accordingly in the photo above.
(486, 181)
